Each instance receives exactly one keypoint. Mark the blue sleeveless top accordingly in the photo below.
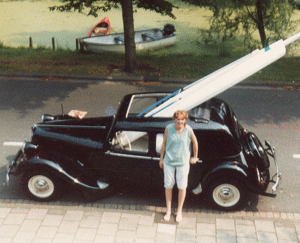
(178, 146)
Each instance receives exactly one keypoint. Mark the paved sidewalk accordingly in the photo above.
(26, 221)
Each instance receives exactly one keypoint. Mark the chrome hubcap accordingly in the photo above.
(40, 186)
(226, 195)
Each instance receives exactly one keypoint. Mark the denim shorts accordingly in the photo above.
(180, 172)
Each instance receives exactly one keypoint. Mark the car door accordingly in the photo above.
(128, 159)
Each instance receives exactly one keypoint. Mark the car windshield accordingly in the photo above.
(140, 104)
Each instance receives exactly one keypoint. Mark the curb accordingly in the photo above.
(139, 78)
(147, 208)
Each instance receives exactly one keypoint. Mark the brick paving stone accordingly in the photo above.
(125, 236)
(146, 219)
(297, 216)
(104, 239)
(128, 223)
(270, 215)
(246, 240)
(276, 215)
(187, 223)
(144, 241)
(205, 239)
(52, 220)
(264, 225)
(145, 231)
(85, 234)
(266, 237)
(244, 222)
(36, 213)
(169, 229)
(165, 238)
(209, 220)
(226, 236)
(20, 210)
(284, 233)
(111, 217)
(297, 227)
(56, 211)
(283, 215)
(186, 235)
(68, 226)
(130, 215)
(206, 229)
(45, 232)
(64, 238)
(245, 231)
(90, 222)
(24, 237)
(290, 215)
(15, 218)
(73, 215)
(4, 212)
(263, 214)
(225, 224)
(8, 231)
(30, 225)
(107, 229)
(41, 240)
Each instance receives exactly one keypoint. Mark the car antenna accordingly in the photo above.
(62, 108)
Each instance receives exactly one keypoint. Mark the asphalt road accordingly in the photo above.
(271, 113)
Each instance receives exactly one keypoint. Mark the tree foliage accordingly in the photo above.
(93, 7)
(271, 19)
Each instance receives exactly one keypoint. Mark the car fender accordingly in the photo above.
(37, 162)
(231, 170)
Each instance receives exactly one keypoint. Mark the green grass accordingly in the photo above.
(186, 65)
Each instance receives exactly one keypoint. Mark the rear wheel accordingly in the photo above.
(41, 186)
(226, 194)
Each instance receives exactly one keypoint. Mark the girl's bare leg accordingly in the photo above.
(169, 204)
(181, 198)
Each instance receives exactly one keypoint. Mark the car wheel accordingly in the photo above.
(226, 194)
(41, 186)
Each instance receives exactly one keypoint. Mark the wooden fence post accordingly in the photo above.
(30, 42)
(53, 43)
(77, 43)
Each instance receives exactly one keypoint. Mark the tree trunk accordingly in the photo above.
(130, 52)
(260, 22)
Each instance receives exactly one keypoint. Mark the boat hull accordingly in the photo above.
(144, 40)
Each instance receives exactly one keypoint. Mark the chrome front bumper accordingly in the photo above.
(271, 151)
(11, 166)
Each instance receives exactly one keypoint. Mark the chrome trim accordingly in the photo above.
(70, 126)
(128, 155)
(7, 176)
(271, 152)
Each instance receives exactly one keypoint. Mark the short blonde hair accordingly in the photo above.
(180, 113)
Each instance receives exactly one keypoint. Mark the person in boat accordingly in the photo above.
(175, 158)
(168, 30)
(100, 29)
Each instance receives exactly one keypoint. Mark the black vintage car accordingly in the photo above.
(94, 154)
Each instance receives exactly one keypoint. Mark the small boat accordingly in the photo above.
(101, 28)
(144, 40)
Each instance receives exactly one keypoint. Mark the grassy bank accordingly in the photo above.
(42, 60)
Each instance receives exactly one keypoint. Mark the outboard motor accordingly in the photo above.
(169, 29)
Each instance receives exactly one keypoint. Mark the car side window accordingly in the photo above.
(159, 141)
(131, 141)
